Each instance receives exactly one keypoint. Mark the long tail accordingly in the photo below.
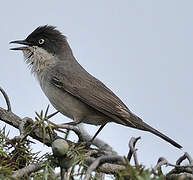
(157, 133)
(139, 124)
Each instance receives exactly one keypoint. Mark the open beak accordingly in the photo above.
(23, 42)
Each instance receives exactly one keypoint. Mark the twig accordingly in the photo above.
(62, 173)
(6, 99)
(91, 153)
(53, 114)
(34, 126)
(96, 142)
(67, 174)
(189, 158)
(161, 161)
(68, 127)
(132, 150)
(21, 127)
(177, 168)
(180, 169)
(27, 170)
(107, 168)
(182, 158)
(21, 130)
(14, 120)
(101, 160)
(184, 176)
(82, 135)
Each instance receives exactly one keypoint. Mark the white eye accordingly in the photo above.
(41, 41)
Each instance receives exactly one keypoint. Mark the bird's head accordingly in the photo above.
(44, 43)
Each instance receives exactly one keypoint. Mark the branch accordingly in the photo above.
(15, 121)
(184, 176)
(67, 174)
(182, 158)
(101, 160)
(132, 150)
(27, 170)
(84, 136)
(97, 142)
(182, 169)
(6, 99)
(174, 173)
(68, 127)
(161, 161)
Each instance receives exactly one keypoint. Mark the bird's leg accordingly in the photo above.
(101, 127)
(87, 144)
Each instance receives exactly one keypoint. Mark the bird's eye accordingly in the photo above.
(41, 41)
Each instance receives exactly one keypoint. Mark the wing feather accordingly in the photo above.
(93, 92)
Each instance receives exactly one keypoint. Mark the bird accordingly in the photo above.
(70, 88)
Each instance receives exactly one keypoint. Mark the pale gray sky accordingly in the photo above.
(142, 50)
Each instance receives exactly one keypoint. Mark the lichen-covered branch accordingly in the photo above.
(27, 170)
(133, 150)
(101, 160)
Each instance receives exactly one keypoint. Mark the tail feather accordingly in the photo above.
(136, 122)
(146, 127)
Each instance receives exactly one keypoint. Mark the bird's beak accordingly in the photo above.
(24, 42)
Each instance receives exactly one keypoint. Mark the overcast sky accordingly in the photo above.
(142, 50)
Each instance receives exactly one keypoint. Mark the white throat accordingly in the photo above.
(38, 59)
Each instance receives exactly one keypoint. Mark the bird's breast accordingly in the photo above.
(70, 106)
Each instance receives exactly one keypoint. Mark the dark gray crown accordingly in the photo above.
(53, 39)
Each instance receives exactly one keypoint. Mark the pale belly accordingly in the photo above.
(72, 107)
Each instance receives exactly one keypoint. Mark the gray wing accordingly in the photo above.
(93, 92)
